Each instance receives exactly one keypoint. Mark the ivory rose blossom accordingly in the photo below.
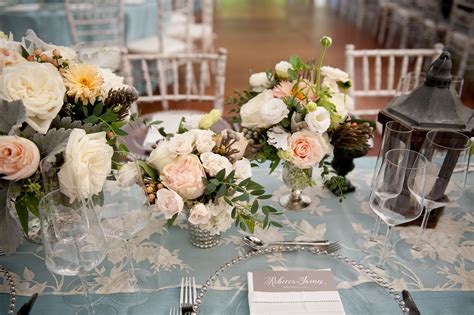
(184, 176)
(250, 112)
(88, 158)
(307, 148)
(203, 140)
(39, 86)
(259, 81)
(282, 68)
(200, 214)
(273, 111)
(243, 169)
(169, 202)
(181, 144)
(19, 157)
(213, 163)
(161, 155)
(318, 120)
(128, 174)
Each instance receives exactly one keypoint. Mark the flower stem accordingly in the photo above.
(318, 70)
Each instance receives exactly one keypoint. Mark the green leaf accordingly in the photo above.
(230, 177)
(221, 192)
(254, 186)
(254, 207)
(229, 202)
(98, 109)
(277, 224)
(220, 175)
(266, 209)
(210, 188)
(257, 192)
(120, 132)
(295, 62)
(22, 212)
(123, 147)
(242, 226)
(148, 169)
(162, 132)
(32, 202)
(91, 119)
(170, 222)
(262, 197)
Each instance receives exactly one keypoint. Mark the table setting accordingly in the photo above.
(249, 221)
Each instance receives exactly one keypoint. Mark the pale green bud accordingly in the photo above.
(284, 155)
(311, 107)
(326, 41)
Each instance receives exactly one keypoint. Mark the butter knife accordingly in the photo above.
(409, 303)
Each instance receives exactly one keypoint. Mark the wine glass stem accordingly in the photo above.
(383, 257)
(85, 287)
(296, 194)
(424, 223)
(132, 279)
(375, 229)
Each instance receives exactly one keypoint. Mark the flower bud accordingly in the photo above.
(43, 58)
(30, 58)
(37, 51)
(56, 53)
(110, 135)
(311, 106)
(326, 41)
(284, 155)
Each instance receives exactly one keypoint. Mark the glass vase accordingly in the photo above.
(296, 179)
(202, 238)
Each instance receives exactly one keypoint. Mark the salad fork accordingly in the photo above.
(187, 296)
(174, 311)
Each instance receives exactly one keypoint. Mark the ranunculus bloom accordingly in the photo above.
(250, 112)
(161, 155)
(307, 148)
(19, 157)
(39, 86)
(213, 163)
(318, 120)
(87, 164)
(259, 81)
(184, 176)
(282, 68)
(169, 202)
(334, 74)
(199, 214)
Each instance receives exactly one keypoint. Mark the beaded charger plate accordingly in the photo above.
(361, 290)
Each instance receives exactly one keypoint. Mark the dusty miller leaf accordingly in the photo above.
(69, 123)
(12, 117)
(53, 142)
(10, 233)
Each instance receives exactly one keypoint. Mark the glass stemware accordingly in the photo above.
(73, 241)
(397, 197)
(448, 155)
(124, 211)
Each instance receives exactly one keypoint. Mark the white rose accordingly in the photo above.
(161, 155)
(243, 169)
(39, 86)
(87, 163)
(330, 84)
(259, 81)
(213, 163)
(181, 144)
(203, 140)
(128, 174)
(319, 120)
(273, 111)
(282, 68)
(343, 103)
(111, 80)
(192, 122)
(278, 137)
(169, 202)
(334, 74)
(199, 214)
(250, 111)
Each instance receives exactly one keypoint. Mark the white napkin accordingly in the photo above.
(298, 302)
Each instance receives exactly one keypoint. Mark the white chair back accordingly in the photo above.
(96, 23)
(380, 68)
(181, 77)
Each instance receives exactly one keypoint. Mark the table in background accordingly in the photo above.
(444, 288)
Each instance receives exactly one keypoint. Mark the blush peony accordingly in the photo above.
(184, 176)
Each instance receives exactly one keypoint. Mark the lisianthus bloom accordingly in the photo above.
(83, 82)
(301, 90)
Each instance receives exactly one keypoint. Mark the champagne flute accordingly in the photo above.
(402, 173)
(448, 155)
(73, 241)
(124, 211)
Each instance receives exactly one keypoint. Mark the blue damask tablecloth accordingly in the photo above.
(49, 21)
(445, 287)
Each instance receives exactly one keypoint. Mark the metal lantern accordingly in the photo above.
(432, 105)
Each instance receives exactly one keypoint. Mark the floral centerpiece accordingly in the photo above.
(289, 114)
(54, 107)
(205, 176)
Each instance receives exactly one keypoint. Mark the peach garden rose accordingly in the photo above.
(169, 202)
(19, 157)
(184, 176)
(307, 148)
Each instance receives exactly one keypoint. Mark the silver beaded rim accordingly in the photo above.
(11, 284)
(276, 249)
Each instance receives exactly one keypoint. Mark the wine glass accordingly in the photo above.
(448, 154)
(124, 211)
(73, 241)
(395, 136)
(412, 80)
(397, 197)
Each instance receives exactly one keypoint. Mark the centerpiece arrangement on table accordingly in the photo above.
(205, 176)
(290, 115)
(52, 100)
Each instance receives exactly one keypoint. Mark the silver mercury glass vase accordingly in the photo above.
(296, 179)
(203, 238)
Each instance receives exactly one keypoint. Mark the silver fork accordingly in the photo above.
(187, 296)
(331, 248)
(174, 310)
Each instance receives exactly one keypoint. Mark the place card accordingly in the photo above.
(293, 292)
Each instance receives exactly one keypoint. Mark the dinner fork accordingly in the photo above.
(187, 296)
(331, 248)
(174, 311)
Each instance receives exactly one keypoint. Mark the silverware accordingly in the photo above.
(410, 303)
(257, 243)
(174, 310)
(187, 296)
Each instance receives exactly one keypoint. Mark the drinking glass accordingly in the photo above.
(124, 211)
(448, 154)
(73, 241)
(411, 81)
(395, 136)
(397, 197)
